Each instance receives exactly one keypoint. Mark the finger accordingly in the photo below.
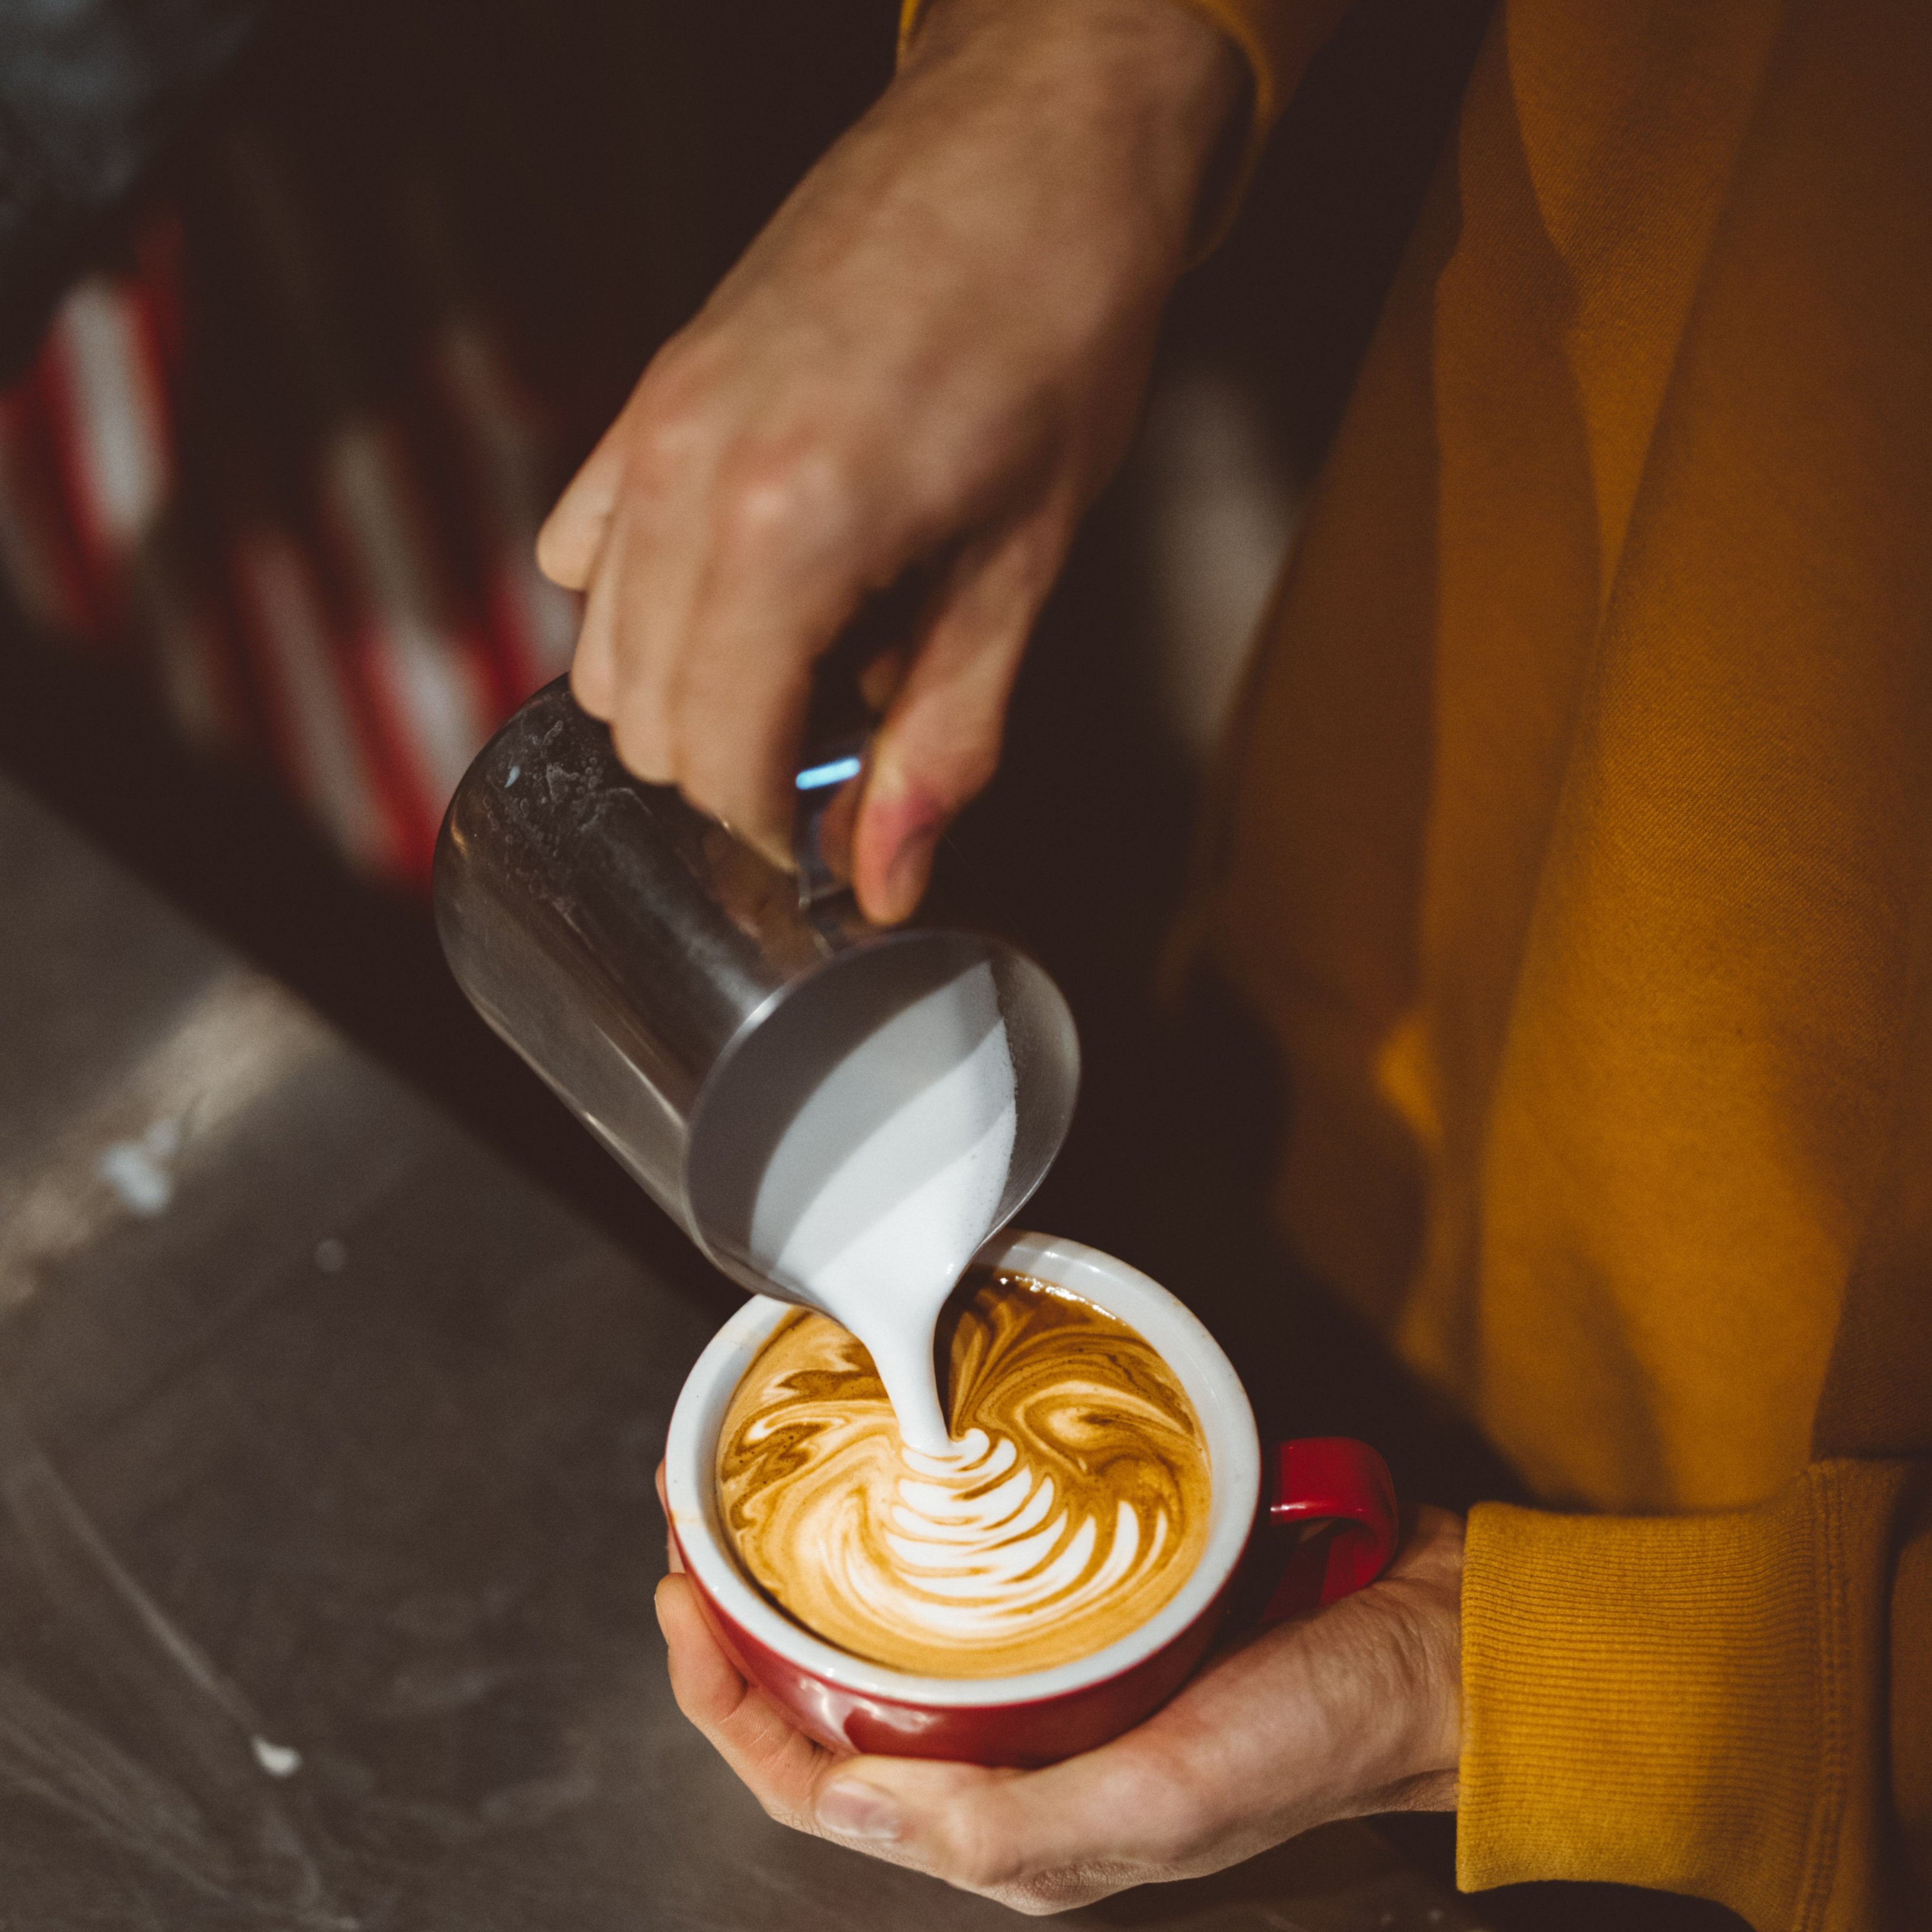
(1199, 1785)
(645, 493)
(740, 721)
(593, 663)
(624, 666)
(879, 682)
(783, 574)
(646, 589)
(940, 741)
(573, 533)
(709, 1688)
(645, 584)
(780, 1766)
(1041, 1840)
(672, 1560)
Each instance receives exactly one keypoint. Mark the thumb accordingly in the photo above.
(946, 1819)
(940, 743)
(1026, 1836)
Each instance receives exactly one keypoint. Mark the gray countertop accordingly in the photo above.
(327, 1538)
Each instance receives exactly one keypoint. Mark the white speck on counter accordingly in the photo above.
(277, 1760)
(516, 772)
(137, 1170)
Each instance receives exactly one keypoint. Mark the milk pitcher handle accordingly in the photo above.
(829, 784)
(838, 730)
(1336, 1495)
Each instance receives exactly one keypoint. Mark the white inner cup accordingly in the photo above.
(1227, 1423)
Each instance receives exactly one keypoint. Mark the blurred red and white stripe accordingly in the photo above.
(111, 402)
(37, 550)
(261, 535)
(314, 721)
(91, 490)
(427, 672)
(503, 446)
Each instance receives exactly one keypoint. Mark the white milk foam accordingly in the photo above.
(882, 1240)
(979, 1562)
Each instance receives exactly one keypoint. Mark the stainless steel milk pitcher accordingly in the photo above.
(677, 993)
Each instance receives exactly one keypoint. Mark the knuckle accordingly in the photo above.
(665, 457)
(981, 1857)
(671, 438)
(757, 504)
(672, 427)
(770, 497)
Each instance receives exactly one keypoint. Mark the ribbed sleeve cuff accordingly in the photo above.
(1694, 1703)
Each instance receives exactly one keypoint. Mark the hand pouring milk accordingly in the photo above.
(835, 1112)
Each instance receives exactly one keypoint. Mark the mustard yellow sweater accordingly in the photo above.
(1577, 847)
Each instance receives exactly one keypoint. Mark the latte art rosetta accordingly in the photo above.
(1072, 1505)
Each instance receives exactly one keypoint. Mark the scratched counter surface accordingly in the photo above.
(327, 1535)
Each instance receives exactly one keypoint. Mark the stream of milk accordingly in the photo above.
(884, 1236)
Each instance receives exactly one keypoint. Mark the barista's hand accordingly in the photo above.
(932, 356)
(1355, 1709)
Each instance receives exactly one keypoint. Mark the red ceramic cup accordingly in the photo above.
(1329, 1484)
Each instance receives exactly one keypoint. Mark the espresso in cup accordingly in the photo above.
(1073, 1505)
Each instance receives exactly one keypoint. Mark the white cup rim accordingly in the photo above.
(1227, 1422)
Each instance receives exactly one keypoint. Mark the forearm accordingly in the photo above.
(930, 358)
(1273, 40)
(1146, 89)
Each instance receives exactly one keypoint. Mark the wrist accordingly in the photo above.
(1422, 1748)
(1147, 89)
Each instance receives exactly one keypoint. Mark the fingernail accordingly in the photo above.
(849, 1809)
(906, 876)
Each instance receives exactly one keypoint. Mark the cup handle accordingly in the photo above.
(1336, 1495)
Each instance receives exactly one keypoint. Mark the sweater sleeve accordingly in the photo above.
(1736, 1705)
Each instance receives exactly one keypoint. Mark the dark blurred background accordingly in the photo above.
(269, 483)
(268, 487)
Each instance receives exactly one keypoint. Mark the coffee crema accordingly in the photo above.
(1072, 1507)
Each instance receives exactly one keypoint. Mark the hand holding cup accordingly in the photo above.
(1352, 1709)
